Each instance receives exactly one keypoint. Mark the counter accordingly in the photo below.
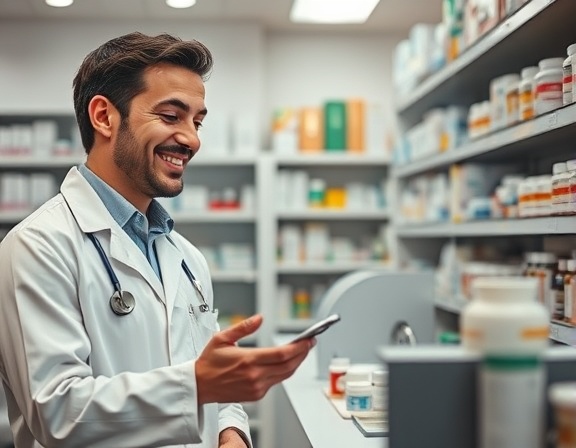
(320, 421)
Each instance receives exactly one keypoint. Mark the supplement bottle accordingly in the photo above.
(568, 292)
(337, 369)
(509, 328)
(379, 390)
(358, 397)
(567, 76)
(571, 198)
(560, 188)
(526, 93)
(563, 399)
(548, 85)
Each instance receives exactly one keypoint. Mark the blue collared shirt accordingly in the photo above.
(141, 229)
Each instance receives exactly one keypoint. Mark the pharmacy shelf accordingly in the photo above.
(249, 276)
(337, 159)
(563, 333)
(326, 214)
(43, 163)
(328, 268)
(559, 332)
(523, 140)
(232, 216)
(552, 225)
(538, 30)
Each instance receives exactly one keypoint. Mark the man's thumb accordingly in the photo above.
(242, 329)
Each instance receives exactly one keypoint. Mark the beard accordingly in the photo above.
(132, 160)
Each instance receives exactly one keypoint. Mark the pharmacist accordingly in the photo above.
(108, 331)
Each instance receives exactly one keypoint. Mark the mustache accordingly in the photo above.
(178, 149)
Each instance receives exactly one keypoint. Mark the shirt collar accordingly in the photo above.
(123, 212)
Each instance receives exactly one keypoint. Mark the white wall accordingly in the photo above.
(38, 61)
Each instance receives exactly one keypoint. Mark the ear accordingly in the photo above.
(103, 115)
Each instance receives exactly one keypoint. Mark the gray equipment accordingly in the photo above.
(373, 306)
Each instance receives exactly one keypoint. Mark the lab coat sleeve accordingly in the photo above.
(45, 359)
(231, 414)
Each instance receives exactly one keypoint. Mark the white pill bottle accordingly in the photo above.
(507, 325)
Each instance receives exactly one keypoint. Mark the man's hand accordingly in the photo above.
(226, 373)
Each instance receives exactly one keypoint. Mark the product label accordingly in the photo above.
(359, 403)
(512, 408)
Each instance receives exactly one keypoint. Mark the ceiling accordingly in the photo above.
(390, 16)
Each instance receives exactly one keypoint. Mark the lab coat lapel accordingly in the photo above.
(170, 261)
(92, 216)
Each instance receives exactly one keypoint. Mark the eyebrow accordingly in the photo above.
(180, 104)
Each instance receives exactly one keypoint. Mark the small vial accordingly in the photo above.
(337, 371)
(379, 390)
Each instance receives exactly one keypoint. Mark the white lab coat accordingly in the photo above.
(76, 374)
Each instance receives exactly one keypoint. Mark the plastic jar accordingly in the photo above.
(567, 76)
(526, 93)
(563, 399)
(506, 324)
(560, 188)
(337, 370)
(379, 390)
(548, 85)
(571, 199)
(358, 397)
(511, 91)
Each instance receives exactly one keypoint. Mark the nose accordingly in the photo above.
(187, 135)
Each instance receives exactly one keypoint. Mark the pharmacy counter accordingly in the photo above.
(320, 421)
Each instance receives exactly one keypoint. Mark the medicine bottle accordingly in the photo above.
(567, 76)
(568, 290)
(509, 328)
(379, 390)
(358, 397)
(559, 291)
(560, 188)
(571, 198)
(562, 397)
(526, 93)
(548, 85)
(337, 371)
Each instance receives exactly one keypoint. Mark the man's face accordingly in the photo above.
(160, 135)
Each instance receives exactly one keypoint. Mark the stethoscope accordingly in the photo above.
(123, 302)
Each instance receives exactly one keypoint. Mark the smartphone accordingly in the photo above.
(317, 328)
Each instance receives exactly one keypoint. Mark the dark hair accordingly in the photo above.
(115, 70)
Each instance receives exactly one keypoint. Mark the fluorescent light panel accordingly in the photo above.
(332, 11)
(180, 3)
(59, 3)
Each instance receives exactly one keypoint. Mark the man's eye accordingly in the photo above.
(168, 117)
(198, 124)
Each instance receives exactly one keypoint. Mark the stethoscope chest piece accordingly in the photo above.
(122, 303)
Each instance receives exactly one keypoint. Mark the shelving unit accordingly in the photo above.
(540, 29)
(337, 169)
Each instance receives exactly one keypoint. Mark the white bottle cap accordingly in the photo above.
(571, 265)
(505, 289)
(380, 377)
(563, 394)
(559, 168)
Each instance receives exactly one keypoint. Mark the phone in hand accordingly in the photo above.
(317, 328)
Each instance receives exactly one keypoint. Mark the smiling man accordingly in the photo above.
(108, 334)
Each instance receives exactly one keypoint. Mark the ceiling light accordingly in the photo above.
(332, 11)
(180, 3)
(59, 3)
